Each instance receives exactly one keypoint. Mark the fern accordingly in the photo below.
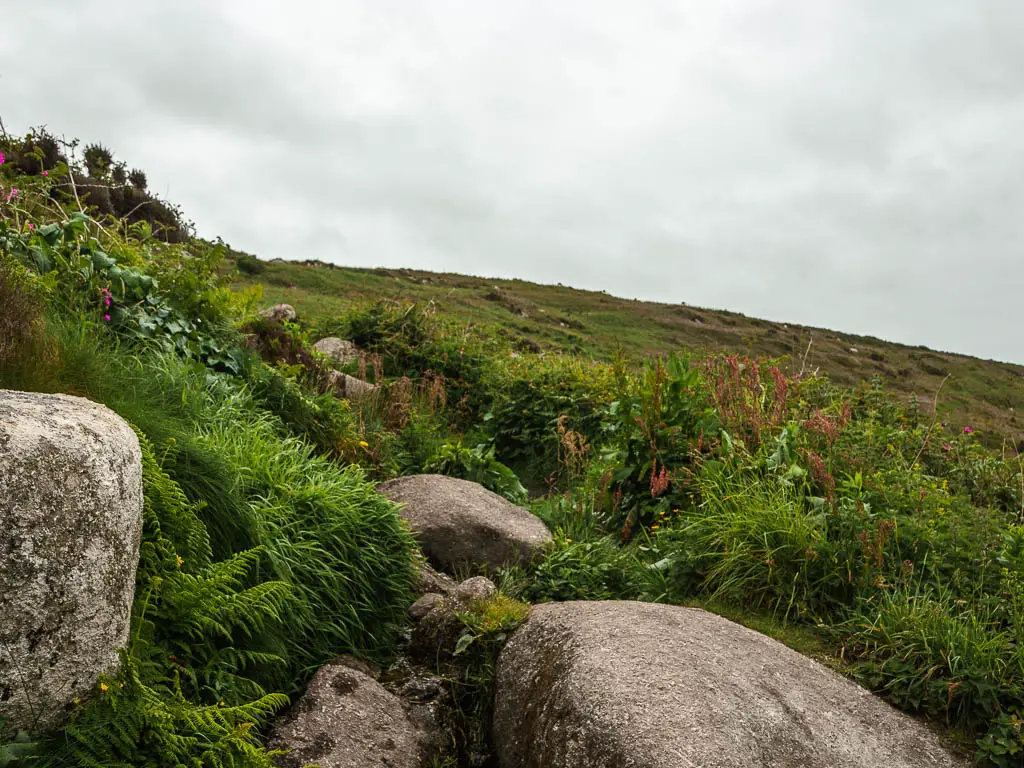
(184, 695)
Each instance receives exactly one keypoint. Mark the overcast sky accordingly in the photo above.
(852, 164)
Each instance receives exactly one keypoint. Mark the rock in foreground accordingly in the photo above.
(346, 719)
(70, 522)
(460, 524)
(610, 684)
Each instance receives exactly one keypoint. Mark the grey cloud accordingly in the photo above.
(853, 165)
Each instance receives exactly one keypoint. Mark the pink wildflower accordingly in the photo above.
(968, 430)
(12, 194)
(947, 447)
(46, 173)
(31, 226)
(107, 318)
(1, 158)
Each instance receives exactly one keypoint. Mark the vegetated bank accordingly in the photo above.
(848, 522)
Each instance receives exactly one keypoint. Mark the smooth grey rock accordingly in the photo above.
(346, 719)
(70, 522)
(279, 313)
(342, 351)
(610, 684)
(462, 524)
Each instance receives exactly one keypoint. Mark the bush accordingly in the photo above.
(249, 265)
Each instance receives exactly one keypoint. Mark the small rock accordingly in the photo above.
(346, 719)
(420, 689)
(279, 313)
(341, 350)
(356, 389)
(476, 588)
(424, 605)
(348, 387)
(431, 580)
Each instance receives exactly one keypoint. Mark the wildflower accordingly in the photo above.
(222, 704)
(104, 687)
(363, 444)
(178, 558)
(1, 158)
(947, 447)
(107, 318)
(968, 430)
(46, 173)
(655, 527)
(568, 541)
(31, 226)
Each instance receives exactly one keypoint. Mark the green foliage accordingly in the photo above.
(249, 265)
(413, 343)
(655, 420)
(186, 692)
(486, 626)
(478, 465)
(21, 318)
(545, 415)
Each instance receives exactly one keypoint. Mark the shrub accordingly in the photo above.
(478, 465)
(249, 265)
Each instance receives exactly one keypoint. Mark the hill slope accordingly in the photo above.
(984, 394)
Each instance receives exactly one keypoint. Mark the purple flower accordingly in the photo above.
(1, 158)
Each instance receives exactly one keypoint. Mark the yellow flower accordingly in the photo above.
(363, 444)
(654, 527)
(222, 703)
(568, 541)
(104, 687)
(178, 558)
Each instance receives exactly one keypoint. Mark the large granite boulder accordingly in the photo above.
(346, 719)
(70, 522)
(611, 684)
(461, 524)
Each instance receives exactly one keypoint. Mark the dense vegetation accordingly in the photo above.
(844, 520)
(980, 393)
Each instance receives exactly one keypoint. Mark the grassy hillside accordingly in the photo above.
(983, 394)
(842, 520)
